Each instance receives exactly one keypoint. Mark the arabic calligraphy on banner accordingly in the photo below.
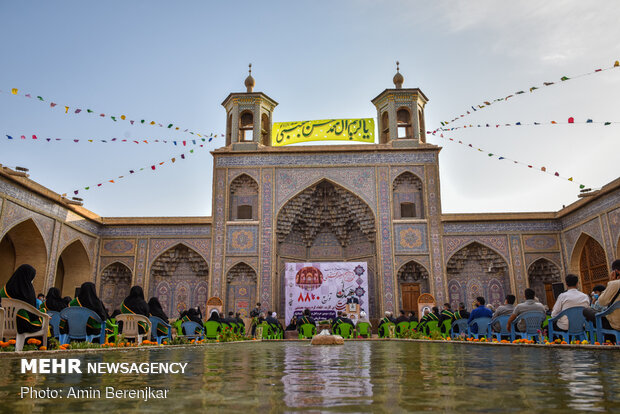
(362, 130)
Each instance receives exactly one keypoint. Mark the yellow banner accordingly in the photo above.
(284, 133)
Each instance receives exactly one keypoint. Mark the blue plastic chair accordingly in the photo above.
(55, 323)
(503, 323)
(482, 324)
(577, 326)
(463, 328)
(158, 321)
(533, 322)
(600, 332)
(193, 330)
(77, 317)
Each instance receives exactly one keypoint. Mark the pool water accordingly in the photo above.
(360, 376)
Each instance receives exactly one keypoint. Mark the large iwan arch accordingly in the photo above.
(589, 262)
(23, 244)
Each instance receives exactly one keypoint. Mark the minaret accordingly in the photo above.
(248, 117)
(400, 114)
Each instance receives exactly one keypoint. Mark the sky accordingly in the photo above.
(175, 62)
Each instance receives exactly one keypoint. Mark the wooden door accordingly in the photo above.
(549, 295)
(592, 266)
(411, 293)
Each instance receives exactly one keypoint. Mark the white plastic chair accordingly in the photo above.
(2, 314)
(11, 307)
(130, 326)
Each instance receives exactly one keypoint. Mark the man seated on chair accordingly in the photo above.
(273, 322)
(459, 314)
(386, 319)
(411, 317)
(347, 320)
(609, 296)
(504, 310)
(479, 311)
(229, 321)
(569, 299)
(428, 317)
(306, 318)
(337, 321)
(445, 315)
(401, 318)
(530, 305)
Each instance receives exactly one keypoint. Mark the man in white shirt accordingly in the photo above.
(569, 299)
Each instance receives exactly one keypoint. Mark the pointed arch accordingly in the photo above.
(408, 196)
(115, 285)
(542, 274)
(179, 274)
(241, 281)
(243, 198)
(589, 261)
(23, 243)
(413, 280)
(479, 271)
(73, 268)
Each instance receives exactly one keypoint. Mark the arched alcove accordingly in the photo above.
(115, 285)
(408, 197)
(23, 244)
(73, 268)
(412, 282)
(243, 202)
(542, 274)
(240, 289)
(590, 261)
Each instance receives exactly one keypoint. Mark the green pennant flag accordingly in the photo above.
(581, 186)
(170, 126)
(113, 118)
(89, 111)
(192, 151)
(86, 188)
(203, 140)
(607, 123)
(142, 121)
(564, 78)
(490, 155)
(40, 98)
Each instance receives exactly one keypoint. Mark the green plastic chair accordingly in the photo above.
(432, 326)
(363, 329)
(401, 328)
(344, 330)
(447, 326)
(177, 324)
(413, 326)
(307, 331)
(384, 329)
(212, 329)
(268, 332)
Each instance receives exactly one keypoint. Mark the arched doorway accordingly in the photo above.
(23, 244)
(412, 282)
(542, 274)
(327, 223)
(476, 270)
(115, 285)
(73, 269)
(179, 279)
(240, 289)
(592, 265)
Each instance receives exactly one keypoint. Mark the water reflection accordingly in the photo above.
(359, 376)
(327, 375)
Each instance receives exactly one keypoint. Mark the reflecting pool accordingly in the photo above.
(361, 376)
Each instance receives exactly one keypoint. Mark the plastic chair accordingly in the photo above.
(413, 325)
(54, 323)
(2, 314)
(363, 329)
(600, 332)
(344, 329)
(77, 318)
(431, 326)
(533, 322)
(158, 321)
(481, 327)
(503, 331)
(11, 307)
(307, 331)
(193, 330)
(463, 328)
(577, 326)
(268, 331)
(131, 329)
(401, 328)
(212, 329)
(384, 329)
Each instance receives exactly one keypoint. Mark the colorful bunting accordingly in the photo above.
(15, 91)
(571, 120)
(114, 180)
(490, 154)
(194, 142)
(533, 88)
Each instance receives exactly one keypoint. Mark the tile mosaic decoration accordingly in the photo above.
(116, 247)
(219, 217)
(538, 242)
(501, 227)
(267, 235)
(241, 239)
(386, 239)
(410, 238)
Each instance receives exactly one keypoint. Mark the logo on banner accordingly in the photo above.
(309, 278)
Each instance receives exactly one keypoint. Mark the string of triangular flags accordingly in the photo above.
(115, 140)
(563, 79)
(134, 171)
(569, 121)
(502, 157)
(74, 110)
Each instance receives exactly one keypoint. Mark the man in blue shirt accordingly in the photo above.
(480, 311)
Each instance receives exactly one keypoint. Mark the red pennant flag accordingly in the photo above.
(184, 142)
(52, 104)
(111, 181)
(98, 185)
(161, 163)
(152, 167)
(557, 174)
(571, 120)
(183, 156)
(23, 137)
(34, 137)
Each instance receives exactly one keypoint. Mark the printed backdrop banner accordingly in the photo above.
(325, 288)
(285, 133)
